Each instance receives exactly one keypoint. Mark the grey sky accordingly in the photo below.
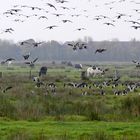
(34, 28)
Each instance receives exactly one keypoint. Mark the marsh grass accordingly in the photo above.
(25, 102)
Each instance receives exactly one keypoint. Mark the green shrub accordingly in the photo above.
(131, 105)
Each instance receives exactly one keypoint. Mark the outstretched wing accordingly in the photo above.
(96, 51)
(34, 60)
(7, 88)
(134, 61)
(9, 59)
(70, 44)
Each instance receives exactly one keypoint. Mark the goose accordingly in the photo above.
(107, 23)
(80, 29)
(61, 1)
(135, 27)
(65, 21)
(51, 5)
(42, 17)
(26, 56)
(7, 88)
(9, 61)
(51, 27)
(8, 30)
(36, 44)
(100, 50)
(31, 63)
(57, 15)
(65, 8)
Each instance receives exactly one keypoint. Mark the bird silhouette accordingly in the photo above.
(75, 15)
(137, 63)
(7, 88)
(100, 50)
(24, 43)
(137, 10)
(120, 15)
(9, 13)
(58, 15)
(74, 45)
(51, 5)
(77, 45)
(136, 27)
(65, 21)
(16, 10)
(107, 23)
(97, 18)
(134, 61)
(36, 44)
(42, 17)
(8, 30)
(80, 29)
(51, 27)
(31, 63)
(26, 56)
(65, 8)
(9, 59)
(61, 1)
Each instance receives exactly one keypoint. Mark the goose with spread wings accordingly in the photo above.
(137, 63)
(80, 29)
(26, 56)
(74, 45)
(109, 24)
(51, 5)
(7, 88)
(51, 27)
(136, 27)
(31, 63)
(100, 50)
(65, 21)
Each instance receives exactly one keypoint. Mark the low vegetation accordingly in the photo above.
(28, 112)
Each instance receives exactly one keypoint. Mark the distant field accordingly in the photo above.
(28, 112)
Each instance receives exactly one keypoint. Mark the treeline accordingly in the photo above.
(53, 50)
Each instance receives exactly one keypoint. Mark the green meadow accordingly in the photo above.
(31, 113)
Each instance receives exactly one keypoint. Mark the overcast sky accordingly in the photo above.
(87, 9)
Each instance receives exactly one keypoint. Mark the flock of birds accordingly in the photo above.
(17, 14)
(92, 88)
(52, 8)
(27, 43)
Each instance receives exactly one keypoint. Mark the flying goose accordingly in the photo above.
(100, 50)
(51, 5)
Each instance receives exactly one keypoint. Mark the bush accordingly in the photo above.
(94, 116)
(131, 106)
(7, 108)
